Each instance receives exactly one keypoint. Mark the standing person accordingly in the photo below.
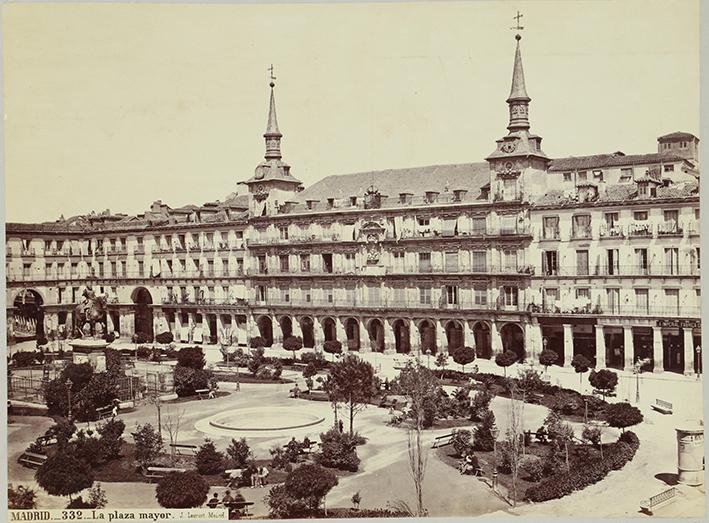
(263, 475)
(254, 479)
(340, 426)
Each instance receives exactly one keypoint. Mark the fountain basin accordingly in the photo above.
(261, 422)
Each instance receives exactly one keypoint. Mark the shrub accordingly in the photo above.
(338, 450)
(279, 458)
(591, 434)
(24, 358)
(239, 452)
(483, 439)
(182, 490)
(95, 499)
(110, 337)
(88, 448)
(21, 497)
(64, 474)
(622, 415)
(111, 438)
(188, 380)
(532, 467)
(604, 381)
(208, 460)
(461, 442)
(256, 360)
(100, 391)
(310, 483)
(62, 430)
(463, 356)
(277, 369)
(315, 358)
(148, 444)
(257, 342)
(332, 347)
(143, 352)
(506, 359)
(165, 338)
(548, 358)
(191, 357)
(113, 363)
(41, 342)
(567, 403)
(140, 337)
(480, 404)
(293, 343)
(581, 364)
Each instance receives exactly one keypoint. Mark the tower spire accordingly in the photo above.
(518, 100)
(272, 134)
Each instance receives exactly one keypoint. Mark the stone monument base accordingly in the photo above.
(90, 351)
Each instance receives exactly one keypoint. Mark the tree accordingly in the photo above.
(580, 364)
(165, 338)
(293, 344)
(506, 359)
(515, 443)
(191, 357)
(100, 391)
(173, 422)
(463, 356)
(559, 432)
(622, 415)
(188, 380)
(338, 450)
(256, 359)
(239, 452)
(352, 382)
(310, 484)
(423, 390)
(64, 474)
(547, 358)
(480, 404)
(148, 444)
(461, 442)
(88, 448)
(483, 438)
(603, 380)
(182, 490)
(257, 342)
(332, 347)
(21, 497)
(442, 361)
(114, 368)
(111, 438)
(208, 459)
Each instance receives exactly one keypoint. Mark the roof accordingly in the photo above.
(617, 159)
(392, 182)
(677, 135)
(618, 193)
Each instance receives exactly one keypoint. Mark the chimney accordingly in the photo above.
(406, 198)
(459, 194)
(353, 201)
(431, 196)
(311, 203)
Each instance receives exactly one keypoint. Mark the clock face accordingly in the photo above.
(508, 147)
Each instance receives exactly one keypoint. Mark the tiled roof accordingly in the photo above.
(617, 193)
(392, 182)
(677, 135)
(618, 159)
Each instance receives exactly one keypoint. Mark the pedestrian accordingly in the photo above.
(254, 479)
(214, 501)
(340, 425)
(263, 474)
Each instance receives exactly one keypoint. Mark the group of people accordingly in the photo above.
(259, 478)
(469, 465)
(233, 503)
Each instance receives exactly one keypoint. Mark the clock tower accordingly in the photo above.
(518, 164)
(272, 183)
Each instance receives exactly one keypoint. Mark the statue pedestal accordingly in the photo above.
(690, 453)
(90, 351)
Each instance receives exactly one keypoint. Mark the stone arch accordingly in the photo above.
(402, 340)
(28, 309)
(375, 328)
(483, 339)
(307, 327)
(427, 333)
(142, 301)
(265, 329)
(512, 336)
(352, 331)
(286, 324)
(454, 334)
(329, 329)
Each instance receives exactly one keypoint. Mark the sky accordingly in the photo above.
(114, 106)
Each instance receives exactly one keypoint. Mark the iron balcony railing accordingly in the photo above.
(386, 303)
(622, 270)
(609, 310)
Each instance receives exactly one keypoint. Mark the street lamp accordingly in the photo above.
(428, 358)
(69, 384)
(637, 369)
(495, 431)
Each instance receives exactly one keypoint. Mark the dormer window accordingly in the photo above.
(353, 201)
(567, 177)
(598, 175)
(581, 175)
(405, 198)
(626, 174)
(669, 168)
(642, 189)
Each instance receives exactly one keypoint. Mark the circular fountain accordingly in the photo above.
(260, 422)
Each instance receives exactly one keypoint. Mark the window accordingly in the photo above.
(283, 233)
(567, 177)
(449, 227)
(683, 145)
(308, 297)
(349, 263)
(424, 262)
(327, 262)
(612, 259)
(583, 296)
(479, 225)
(551, 228)
(672, 301)
(330, 295)
(611, 220)
(398, 261)
(304, 263)
(640, 216)
(671, 217)
(61, 292)
(509, 260)
(598, 176)
(508, 224)
(642, 189)
(283, 261)
(581, 226)
(642, 303)
(424, 226)
(641, 260)
(669, 168)
(479, 261)
(613, 297)
(451, 261)
(425, 296)
(550, 297)
(510, 189)
(672, 260)
(511, 296)
(452, 294)
(626, 174)
(262, 265)
(261, 293)
(582, 175)
(480, 295)
(698, 257)
(550, 263)
(582, 263)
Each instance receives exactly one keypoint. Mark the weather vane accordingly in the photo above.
(518, 17)
(270, 69)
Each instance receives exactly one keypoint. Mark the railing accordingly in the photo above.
(606, 310)
(185, 300)
(11, 277)
(622, 270)
(550, 234)
(386, 303)
(580, 233)
(407, 269)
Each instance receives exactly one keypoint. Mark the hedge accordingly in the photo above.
(562, 484)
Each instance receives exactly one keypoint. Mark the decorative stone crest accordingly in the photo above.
(372, 198)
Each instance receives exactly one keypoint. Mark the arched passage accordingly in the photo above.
(401, 336)
(286, 326)
(427, 331)
(352, 331)
(143, 311)
(306, 327)
(376, 335)
(265, 329)
(513, 339)
(329, 329)
(483, 344)
(29, 314)
(454, 335)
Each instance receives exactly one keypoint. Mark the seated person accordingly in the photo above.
(214, 501)
(212, 394)
(295, 391)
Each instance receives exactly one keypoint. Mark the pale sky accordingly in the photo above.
(117, 105)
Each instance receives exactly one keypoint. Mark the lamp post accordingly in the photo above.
(69, 384)
(428, 358)
(585, 410)
(495, 431)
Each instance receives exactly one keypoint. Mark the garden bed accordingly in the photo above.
(230, 377)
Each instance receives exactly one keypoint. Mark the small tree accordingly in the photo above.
(603, 380)
(483, 438)
(111, 440)
(581, 365)
(461, 442)
(293, 344)
(332, 347)
(480, 404)
(622, 415)
(208, 460)
(165, 338)
(257, 342)
(442, 361)
(64, 474)
(463, 356)
(239, 452)
(182, 490)
(148, 444)
(506, 359)
(191, 357)
(21, 497)
(256, 359)
(310, 484)
(547, 358)
(352, 382)
(338, 450)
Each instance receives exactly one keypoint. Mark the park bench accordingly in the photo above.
(442, 441)
(535, 398)
(184, 449)
(31, 459)
(663, 497)
(160, 472)
(46, 440)
(202, 393)
(104, 412)
(665, 407)
(232, 476)
(242, 506)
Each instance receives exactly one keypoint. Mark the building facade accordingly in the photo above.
(595, 255)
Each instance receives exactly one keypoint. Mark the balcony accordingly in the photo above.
(613, 231)
(622, 270)
(341, 303)
(670, 228)
(193, 302)
(606, 310)
(581, 233)
(549, 233)
(640, 228)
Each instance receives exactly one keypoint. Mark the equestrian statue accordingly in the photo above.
(91, 313)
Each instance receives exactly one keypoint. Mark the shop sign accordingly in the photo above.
(679, 324)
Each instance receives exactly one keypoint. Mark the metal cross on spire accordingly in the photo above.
(270, 70)
(518, 18)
